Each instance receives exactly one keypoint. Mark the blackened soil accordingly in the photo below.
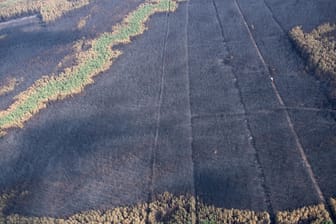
(188, 108)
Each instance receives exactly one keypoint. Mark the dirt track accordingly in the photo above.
(212, 100)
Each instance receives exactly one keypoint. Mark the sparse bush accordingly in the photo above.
(306, 215)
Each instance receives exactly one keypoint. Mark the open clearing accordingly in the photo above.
(112, 105)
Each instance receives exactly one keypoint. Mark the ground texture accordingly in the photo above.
(212, 101)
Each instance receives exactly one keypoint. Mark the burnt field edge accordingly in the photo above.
(169, 208)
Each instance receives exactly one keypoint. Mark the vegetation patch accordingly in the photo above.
(89, 63)
(171, 209)
(213, 215)
(333, 205)
(9, 86)
(306, 215)
(166, 208)
(319, 49)
(49, 10)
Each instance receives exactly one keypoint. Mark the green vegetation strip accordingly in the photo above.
(90, 63)
(319, 49)
(49, 10)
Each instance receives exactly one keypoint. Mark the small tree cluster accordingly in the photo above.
(211, 214)
(309, 215)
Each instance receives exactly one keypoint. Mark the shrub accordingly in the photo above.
(310, 215)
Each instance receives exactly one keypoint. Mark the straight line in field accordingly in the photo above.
(260, 170)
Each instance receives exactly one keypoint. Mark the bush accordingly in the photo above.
(309, 215)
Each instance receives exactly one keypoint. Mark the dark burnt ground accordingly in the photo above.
(32, 49)
(190, 107)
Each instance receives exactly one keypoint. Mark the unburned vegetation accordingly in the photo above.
(49, 10)
(306, 215)
(167, 208)
(319, 49)
(211, 215)
(170, 209)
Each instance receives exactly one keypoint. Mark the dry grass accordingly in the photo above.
(89, 63)
(9, 86)
(49, 10)
(319, 49)
(307, 215)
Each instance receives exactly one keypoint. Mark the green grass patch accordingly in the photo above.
(91, 62)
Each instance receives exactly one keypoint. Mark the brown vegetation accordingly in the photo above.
(306, 215)
(170, 209)
(213, 215)
(49, 10)
(319, 49)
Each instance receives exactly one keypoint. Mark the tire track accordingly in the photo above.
(158, 116)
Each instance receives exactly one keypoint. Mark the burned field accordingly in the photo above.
(165, 111)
